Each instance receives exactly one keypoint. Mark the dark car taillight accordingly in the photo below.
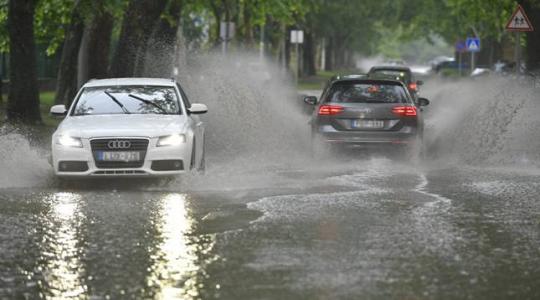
(405, 111)
(330, 110)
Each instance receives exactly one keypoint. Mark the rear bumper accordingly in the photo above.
(406, 136)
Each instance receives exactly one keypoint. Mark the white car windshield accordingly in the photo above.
(127, 100)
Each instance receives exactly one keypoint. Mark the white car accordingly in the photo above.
(129, 127)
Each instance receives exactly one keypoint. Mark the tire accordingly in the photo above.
(202, 165)
(193, 156)
(319, 148)
(416, 151)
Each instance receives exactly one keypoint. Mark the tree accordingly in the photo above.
(95, 48)
(532, 8)
(23, 98)
(137, 27)
(160, 53)
(66, 86)
(99, 34)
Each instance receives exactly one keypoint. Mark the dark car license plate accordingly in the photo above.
(368, 124)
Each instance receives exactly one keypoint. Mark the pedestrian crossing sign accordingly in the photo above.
(473, 44)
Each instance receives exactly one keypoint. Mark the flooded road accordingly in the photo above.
(382, 231)
(268, 222)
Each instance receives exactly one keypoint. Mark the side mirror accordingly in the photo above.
(311, 100)
(198, 108)
(58, 110)
(423, 102)
(419, 82)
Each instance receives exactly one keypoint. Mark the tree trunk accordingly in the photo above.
(216, 11)
(23, 99)
(288, 47)
(2, 74)
(160, 52)
(309, 55)
(99, 45)
(66, 85)
(329, 52)
(248, 27)
(532, 52)
(138, 25)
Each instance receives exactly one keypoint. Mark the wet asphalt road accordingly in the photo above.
(376, 229)
(457, 226)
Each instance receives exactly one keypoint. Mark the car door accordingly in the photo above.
(198, 127)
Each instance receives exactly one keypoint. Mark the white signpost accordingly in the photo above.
(519, 22)
(226, 33)
(297, 38)
(473, 46)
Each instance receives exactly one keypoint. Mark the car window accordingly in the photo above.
(345, 92)
(402, 76)
(127, 99)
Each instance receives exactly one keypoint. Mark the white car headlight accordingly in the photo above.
(68, 141)
(171, 140)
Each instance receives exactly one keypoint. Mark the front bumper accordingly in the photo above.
(181, 153)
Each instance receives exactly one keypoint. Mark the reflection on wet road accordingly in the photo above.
(389, 231)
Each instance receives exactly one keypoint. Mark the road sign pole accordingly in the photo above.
(261, 44)
(460, 67)
(472, 61)
(519, 22)
(297, 62)
(517, 53)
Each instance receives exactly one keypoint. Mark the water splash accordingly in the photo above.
(488, 121)
(21, 165)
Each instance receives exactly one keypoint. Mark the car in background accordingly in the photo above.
(366, 113)
(128, 127)
(435, 62)
(399, 73)
(394, 62)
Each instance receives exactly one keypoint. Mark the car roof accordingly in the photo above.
(130, 81)
(396, 68)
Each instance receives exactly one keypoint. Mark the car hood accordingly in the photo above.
(133, 125)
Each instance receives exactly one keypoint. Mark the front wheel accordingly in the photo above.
(202, 165)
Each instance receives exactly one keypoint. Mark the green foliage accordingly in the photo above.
(4, 40)
(51, 19)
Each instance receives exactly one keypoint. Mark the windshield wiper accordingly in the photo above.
(149, 102)
(124, 109)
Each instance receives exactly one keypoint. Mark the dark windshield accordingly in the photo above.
(349, 92)
(133, 99)
(399, 75)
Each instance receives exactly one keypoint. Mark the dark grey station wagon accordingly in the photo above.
(367, 113)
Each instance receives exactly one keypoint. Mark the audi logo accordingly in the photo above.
(119, 144)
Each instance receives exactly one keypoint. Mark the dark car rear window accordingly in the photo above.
(400, 75)
(366, 92)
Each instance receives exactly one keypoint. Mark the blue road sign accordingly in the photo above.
(473, 44)
(460, 46)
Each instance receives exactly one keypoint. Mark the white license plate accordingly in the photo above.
(371, 124)
(119, 156)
